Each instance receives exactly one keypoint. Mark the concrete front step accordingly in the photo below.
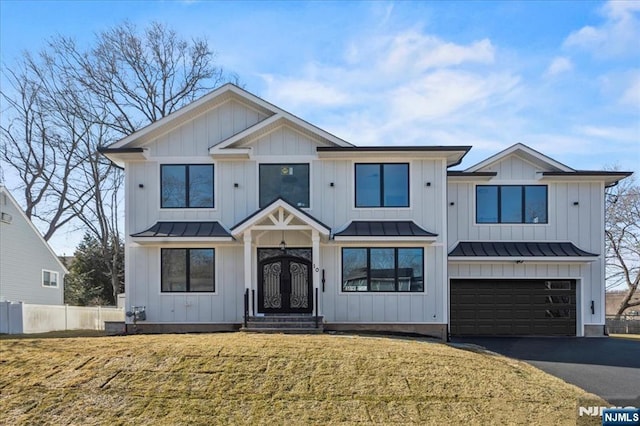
(284, 330)
(286, 318)
(284, 324)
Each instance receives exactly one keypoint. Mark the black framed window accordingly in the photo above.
(186, 186)
(289, 181)
(383, 269)
(382, 184)
(188, 270)
(511, 204)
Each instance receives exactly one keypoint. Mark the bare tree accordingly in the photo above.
(141, 76)
(67, 101)
(622, 232)
(39, 140)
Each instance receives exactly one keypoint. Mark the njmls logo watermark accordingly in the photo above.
(613, 415)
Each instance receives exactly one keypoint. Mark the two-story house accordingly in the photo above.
(237, 210)
(30, 271)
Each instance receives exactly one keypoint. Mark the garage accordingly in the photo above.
(501, 307)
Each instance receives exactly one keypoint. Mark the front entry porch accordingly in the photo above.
(281, 268)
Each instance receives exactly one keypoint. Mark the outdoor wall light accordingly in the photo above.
(575, 203)
(427, 184)
(332, 184)
(140, 185)
(283, 243)
(236, 185)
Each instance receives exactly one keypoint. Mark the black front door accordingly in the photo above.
(284, 281)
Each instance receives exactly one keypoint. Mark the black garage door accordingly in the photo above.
(513, 307)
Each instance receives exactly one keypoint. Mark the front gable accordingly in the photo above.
(194, 137)
(518, 162)
(279, 215)
(228, 122)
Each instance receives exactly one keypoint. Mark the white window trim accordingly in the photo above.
(51, 273)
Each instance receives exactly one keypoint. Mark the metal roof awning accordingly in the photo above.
(539, 251)
(397, 230)
(183, 232)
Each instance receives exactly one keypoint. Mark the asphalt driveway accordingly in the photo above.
(608, 367)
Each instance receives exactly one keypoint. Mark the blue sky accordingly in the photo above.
(560, 76)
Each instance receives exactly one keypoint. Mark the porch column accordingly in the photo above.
(315, 246)
(247, 262)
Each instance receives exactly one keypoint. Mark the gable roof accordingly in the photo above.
(525, 152)
(5, 192)
(276, 204)
(217, 97)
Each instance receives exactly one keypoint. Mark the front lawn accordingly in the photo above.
(238, 378)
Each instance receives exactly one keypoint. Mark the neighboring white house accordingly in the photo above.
(236, 208)
(30, 271)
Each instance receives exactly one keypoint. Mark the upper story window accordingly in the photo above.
(289, 181)
(188, 270)
(49, 278)
(511, 204)
(186, 186)
(382, 185)
(383, 269)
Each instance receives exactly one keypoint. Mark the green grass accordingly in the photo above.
(237, 378)
(626, 336)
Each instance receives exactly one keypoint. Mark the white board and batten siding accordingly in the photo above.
(225, 305)
(575, 214)
(195, 137)
(236, 188)
(24, 255)
(335, 207)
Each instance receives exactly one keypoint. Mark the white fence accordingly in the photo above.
(22, 318)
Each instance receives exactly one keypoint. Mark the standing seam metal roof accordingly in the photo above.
(518, 249)
(397, 228)
(184, 229)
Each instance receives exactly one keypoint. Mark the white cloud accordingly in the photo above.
(403, 77)
(624, 88)
(412, 52)
(559, 65)
(443, 92)
(296, 93)
(618, 35)
(415, 88)
(624, 136)
(631, 95)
